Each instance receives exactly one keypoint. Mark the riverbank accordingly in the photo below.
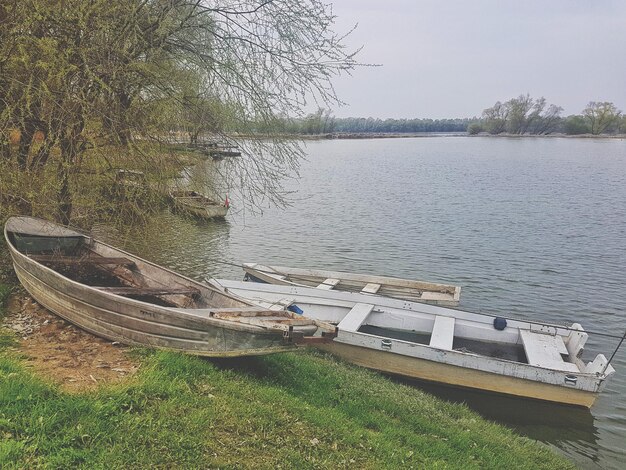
(303, 409)
(549, 136)
(366, 135)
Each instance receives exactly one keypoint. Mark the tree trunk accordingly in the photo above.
(70, 149)
(5, 148)
(27, 132)
(194, 138)
(64, 197)
(123, 129)
(43, 154)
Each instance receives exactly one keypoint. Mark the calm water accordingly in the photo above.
(531, 228)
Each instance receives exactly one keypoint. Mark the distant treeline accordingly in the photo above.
(523, 115)
(527, 115)
(322, 122)
(367, 125)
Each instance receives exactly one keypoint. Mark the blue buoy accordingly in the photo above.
(499, 323)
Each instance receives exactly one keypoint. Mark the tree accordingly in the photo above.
(545, 122)
(519, 113)
(601, 116)
(495, 118)
(522, 115)
(576, 125)
(88, 74)
(622, 125)
(475, 128)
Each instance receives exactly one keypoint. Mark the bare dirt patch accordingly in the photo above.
(63, 353)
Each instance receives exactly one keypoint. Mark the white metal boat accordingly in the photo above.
(419, 291)
(521, 358)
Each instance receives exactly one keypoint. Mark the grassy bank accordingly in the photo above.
(297, 410)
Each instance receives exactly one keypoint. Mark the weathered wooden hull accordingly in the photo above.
(134, 322)
(411, 290)
(447, 374)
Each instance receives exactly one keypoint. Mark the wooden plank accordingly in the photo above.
(328, 284)
(355, 317)
(356, 277)
(84, 261)
(149, 290)
(370, 288)
(442, 336)
(544, 350)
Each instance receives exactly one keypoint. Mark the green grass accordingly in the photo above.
(296, 410)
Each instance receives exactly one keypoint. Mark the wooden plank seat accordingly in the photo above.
(355, 317)
(86, 260)
(328, 284)
(150, 290)
(248, 312)
(442, 336)
(544, 350)
(370, 288)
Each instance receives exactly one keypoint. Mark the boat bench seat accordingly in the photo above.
(544, 350)
(355, 317)
(328, 284)
(442, 336)
(149, 290)
(277, 306)
(370, 288)
(86, 260)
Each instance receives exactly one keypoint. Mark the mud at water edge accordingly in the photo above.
(58, 351)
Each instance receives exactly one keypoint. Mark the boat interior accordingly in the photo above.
(540, 345)
(79, 259)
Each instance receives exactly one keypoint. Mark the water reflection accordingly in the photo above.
(187, 245)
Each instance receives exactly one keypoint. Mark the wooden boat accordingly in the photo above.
(121, 297)
(219, 153)
(198, 205)
(418, 291)
(428, 342)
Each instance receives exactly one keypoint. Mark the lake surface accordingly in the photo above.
(532, 228)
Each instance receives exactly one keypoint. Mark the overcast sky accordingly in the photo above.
(454, 58)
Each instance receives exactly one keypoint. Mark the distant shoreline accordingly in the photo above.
(383, 135)
(374, 135)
